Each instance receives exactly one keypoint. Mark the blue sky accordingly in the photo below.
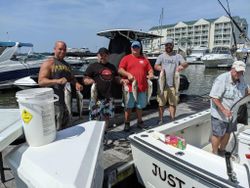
(42, 22)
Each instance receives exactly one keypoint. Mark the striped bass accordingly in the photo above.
(68, 98)
(125, 94)
(134, 89)
(79, 99)
(162, 81)
(150, 89)
(93, 93)
(177, 84)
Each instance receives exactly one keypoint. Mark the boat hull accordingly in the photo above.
(168, 166)
(218, 63)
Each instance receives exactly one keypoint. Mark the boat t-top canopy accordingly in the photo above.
(128, 33)
(18, 44)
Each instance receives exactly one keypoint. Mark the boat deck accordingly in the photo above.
(118, 162)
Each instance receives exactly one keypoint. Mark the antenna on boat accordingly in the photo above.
(160, 25)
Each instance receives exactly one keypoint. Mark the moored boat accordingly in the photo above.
(193, 165)
(196, 55)
(220, 57)
(17, 60)
(119, 46)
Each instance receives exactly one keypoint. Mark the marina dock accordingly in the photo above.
(118, 161)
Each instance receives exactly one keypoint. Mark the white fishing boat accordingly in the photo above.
(196, 55)
(193, 165)
(243, 53)
(17, 60)
(220, 57)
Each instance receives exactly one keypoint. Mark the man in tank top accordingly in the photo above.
(55, 73)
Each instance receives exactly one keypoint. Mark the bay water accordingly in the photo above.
(200, 78)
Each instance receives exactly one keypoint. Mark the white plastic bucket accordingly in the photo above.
(38, 115)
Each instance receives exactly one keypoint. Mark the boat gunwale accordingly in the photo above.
(172, 160)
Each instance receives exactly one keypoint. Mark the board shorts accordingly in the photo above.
(168, 96)
(102, 109)
(219, 128)
(141, 101)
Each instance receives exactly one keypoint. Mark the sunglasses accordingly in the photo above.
(168, 45)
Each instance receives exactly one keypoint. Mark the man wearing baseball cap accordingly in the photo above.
(103, 74)
(170, 62)
(227, 89)
(135, 67)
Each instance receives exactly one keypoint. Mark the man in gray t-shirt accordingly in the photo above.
(171, 63)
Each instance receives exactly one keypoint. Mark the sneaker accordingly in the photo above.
(126, 126)
(140, 124)
(160, 122)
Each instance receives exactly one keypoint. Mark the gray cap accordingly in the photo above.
(169, 41)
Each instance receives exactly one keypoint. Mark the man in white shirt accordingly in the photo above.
(227, 89)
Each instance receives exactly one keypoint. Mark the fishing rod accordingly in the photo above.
(235, 23)
(234, 37)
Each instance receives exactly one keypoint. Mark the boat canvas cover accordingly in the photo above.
(132, 34)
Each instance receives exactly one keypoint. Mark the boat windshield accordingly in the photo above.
(8, 53)
(221, 50)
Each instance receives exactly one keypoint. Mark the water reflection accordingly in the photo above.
(7, 99)
(201, 78)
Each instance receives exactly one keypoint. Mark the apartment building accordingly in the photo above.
(202, 32)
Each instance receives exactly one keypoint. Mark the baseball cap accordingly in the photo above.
(239, 66)
(136, 43)
(169, 41)
(103, 51)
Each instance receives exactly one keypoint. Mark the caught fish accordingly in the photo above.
(162, 81)
(68, 98)
(79, 99)
(150, 90)
(125, 94)
(93, 93)
(134, 89)
(177, 84)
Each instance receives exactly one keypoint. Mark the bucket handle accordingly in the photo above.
(56, 98)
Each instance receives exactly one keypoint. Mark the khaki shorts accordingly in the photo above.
(168, 96)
